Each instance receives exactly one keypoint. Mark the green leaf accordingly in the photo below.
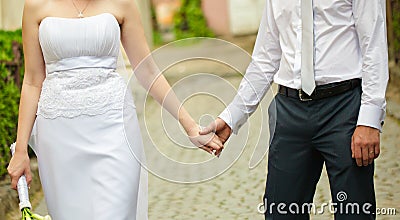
(9, 98)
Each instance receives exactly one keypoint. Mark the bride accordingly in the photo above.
(77, 100)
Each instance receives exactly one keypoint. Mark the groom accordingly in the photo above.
(329, 58)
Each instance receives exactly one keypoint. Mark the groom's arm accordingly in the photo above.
(259, 75)
(370, 24)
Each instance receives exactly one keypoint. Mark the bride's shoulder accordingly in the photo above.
(34, 9)
(126, 8)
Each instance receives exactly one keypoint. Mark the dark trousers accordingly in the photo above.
(307, 135)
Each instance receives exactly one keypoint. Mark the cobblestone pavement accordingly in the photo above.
(237, 192)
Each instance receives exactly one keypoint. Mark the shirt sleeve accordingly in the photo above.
(370, 24)
(259, 74)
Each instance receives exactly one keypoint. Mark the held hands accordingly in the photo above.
(19, 165)
(208, 142)
(365, 145)
(220, 129)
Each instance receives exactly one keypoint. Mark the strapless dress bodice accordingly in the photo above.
(72, 43)
(80, 55)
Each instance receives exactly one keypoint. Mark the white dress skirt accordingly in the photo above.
(86, 135)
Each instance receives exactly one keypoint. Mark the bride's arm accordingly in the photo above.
(149, 76)
(33, 78)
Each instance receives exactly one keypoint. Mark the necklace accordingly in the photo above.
(80, 12)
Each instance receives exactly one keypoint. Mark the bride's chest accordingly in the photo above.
(92, 36)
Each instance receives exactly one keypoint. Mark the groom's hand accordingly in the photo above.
(365, 145)
(220, 128)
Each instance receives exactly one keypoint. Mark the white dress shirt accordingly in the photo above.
(350, 42)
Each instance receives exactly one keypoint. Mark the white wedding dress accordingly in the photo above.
(86, 135)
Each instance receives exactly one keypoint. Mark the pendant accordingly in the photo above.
(80, 15)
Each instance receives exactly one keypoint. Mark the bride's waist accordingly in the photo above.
(81, 78)
(82, 92)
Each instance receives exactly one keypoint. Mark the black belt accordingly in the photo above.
(322, 91)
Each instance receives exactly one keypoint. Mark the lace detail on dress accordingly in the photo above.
(90, 91)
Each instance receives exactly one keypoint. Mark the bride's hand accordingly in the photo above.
(19, 165)
(209, 142)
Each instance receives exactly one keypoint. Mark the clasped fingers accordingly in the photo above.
(210, 143)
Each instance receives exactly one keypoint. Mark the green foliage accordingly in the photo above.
(6, 39)
(157, 37)
(190, 22)
(9, 98)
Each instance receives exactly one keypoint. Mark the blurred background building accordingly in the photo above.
(224, 17)
(11, 14)
(233, 17)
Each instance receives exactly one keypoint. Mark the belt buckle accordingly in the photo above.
(301, 96)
